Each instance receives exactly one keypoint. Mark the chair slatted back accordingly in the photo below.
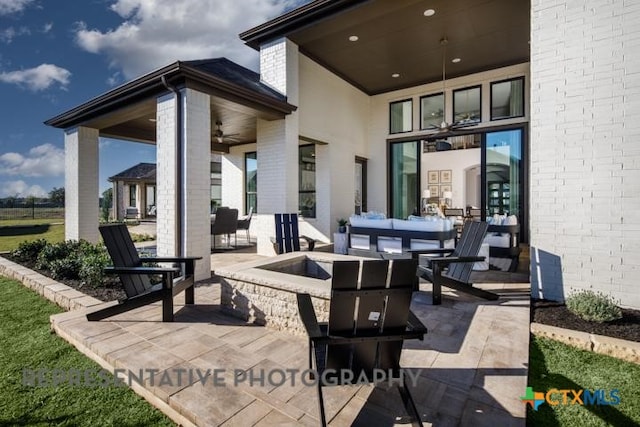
(469, 244)
(368, 310)
(123, 253)
(287, 237)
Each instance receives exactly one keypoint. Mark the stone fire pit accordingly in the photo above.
(264, 291)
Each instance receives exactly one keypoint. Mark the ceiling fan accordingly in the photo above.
(444, 126)
(219, 136)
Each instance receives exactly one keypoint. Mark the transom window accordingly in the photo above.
(466, 105)
(507, 98)
(400, 116)
(431, 110)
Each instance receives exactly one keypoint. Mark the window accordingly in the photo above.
(507, 99)
(216, 181)
(250, 182)
(431, 111)
(132, 195)
(466, 105)
(307, 181)
(404, 172)
(400, 116)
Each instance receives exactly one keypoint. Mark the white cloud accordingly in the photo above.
(43, 160)
(155, 33)
(39, 78)
(47, 27)
(13, 6)
(8, 34)
(21, 189)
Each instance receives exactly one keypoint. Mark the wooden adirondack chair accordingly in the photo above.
(454, 271)
(135, 278)
(287, 238)
(371, 339)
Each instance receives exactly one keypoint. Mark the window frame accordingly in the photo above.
(308, 191)
(444, 113)
(401, 101)
(453, 101)
(523, 94)
(248, 193)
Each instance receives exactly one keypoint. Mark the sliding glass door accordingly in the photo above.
(504, 173)
(404, 179)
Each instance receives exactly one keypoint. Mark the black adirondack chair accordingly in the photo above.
(454, 270)
(135, 277)
(287, 238)
(371, 339)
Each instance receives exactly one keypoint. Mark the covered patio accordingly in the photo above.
(471, 368)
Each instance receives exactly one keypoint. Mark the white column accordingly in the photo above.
(193, 209)
(277, 142)
(81, 184)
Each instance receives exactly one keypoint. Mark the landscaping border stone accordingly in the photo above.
(621, 349)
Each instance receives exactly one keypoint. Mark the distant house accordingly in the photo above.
(135, 188)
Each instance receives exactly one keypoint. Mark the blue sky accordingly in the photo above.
(55, 55)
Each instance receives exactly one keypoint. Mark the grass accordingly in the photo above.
(27, 343)
(13, 232)
(556, 365)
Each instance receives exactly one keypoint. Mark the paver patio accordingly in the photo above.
(471, 367)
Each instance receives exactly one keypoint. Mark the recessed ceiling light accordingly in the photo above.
(353, 38)
(456, 60)
(429, 12)
(395, 75)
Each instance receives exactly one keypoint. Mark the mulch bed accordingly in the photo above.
(556, 314)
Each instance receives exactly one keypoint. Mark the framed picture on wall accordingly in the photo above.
(445, 177)
(433, 177)
(434, 190)
(443, 189)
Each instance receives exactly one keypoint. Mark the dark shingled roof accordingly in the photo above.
(234, 73)
(139, 172)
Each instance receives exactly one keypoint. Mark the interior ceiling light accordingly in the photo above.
(429, 12)
(395, 75)
(353, 38)
(456, 60)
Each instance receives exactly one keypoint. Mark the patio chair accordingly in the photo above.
(244, 223)
(287, 238)
(454, 270)
(225, 223)
(135, 278)
(367, 326)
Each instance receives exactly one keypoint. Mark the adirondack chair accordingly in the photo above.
(135, 278)
(357, 346)
(454, 270)
(287, 238)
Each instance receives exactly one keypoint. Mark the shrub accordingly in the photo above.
(92, 267)
(592, 306)
(65, 268)
(27, 252)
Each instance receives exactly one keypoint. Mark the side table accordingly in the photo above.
(340, 243)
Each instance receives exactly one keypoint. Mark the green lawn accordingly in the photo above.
(556, 365)
(27, 343)
(13, 232)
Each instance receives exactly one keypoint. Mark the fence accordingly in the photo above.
(28, 209)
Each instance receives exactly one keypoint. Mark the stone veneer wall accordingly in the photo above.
(264, 305)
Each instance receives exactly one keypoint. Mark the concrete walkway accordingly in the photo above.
(471, 367)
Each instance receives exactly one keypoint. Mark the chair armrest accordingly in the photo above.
(171, 259)
(311, 242)
(430, 251)
(141, 270)
(443, 261)
(308, 316)
(414, 324)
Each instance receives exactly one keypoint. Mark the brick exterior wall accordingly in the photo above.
(81, 184)
(196, 134)
(585, 148)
